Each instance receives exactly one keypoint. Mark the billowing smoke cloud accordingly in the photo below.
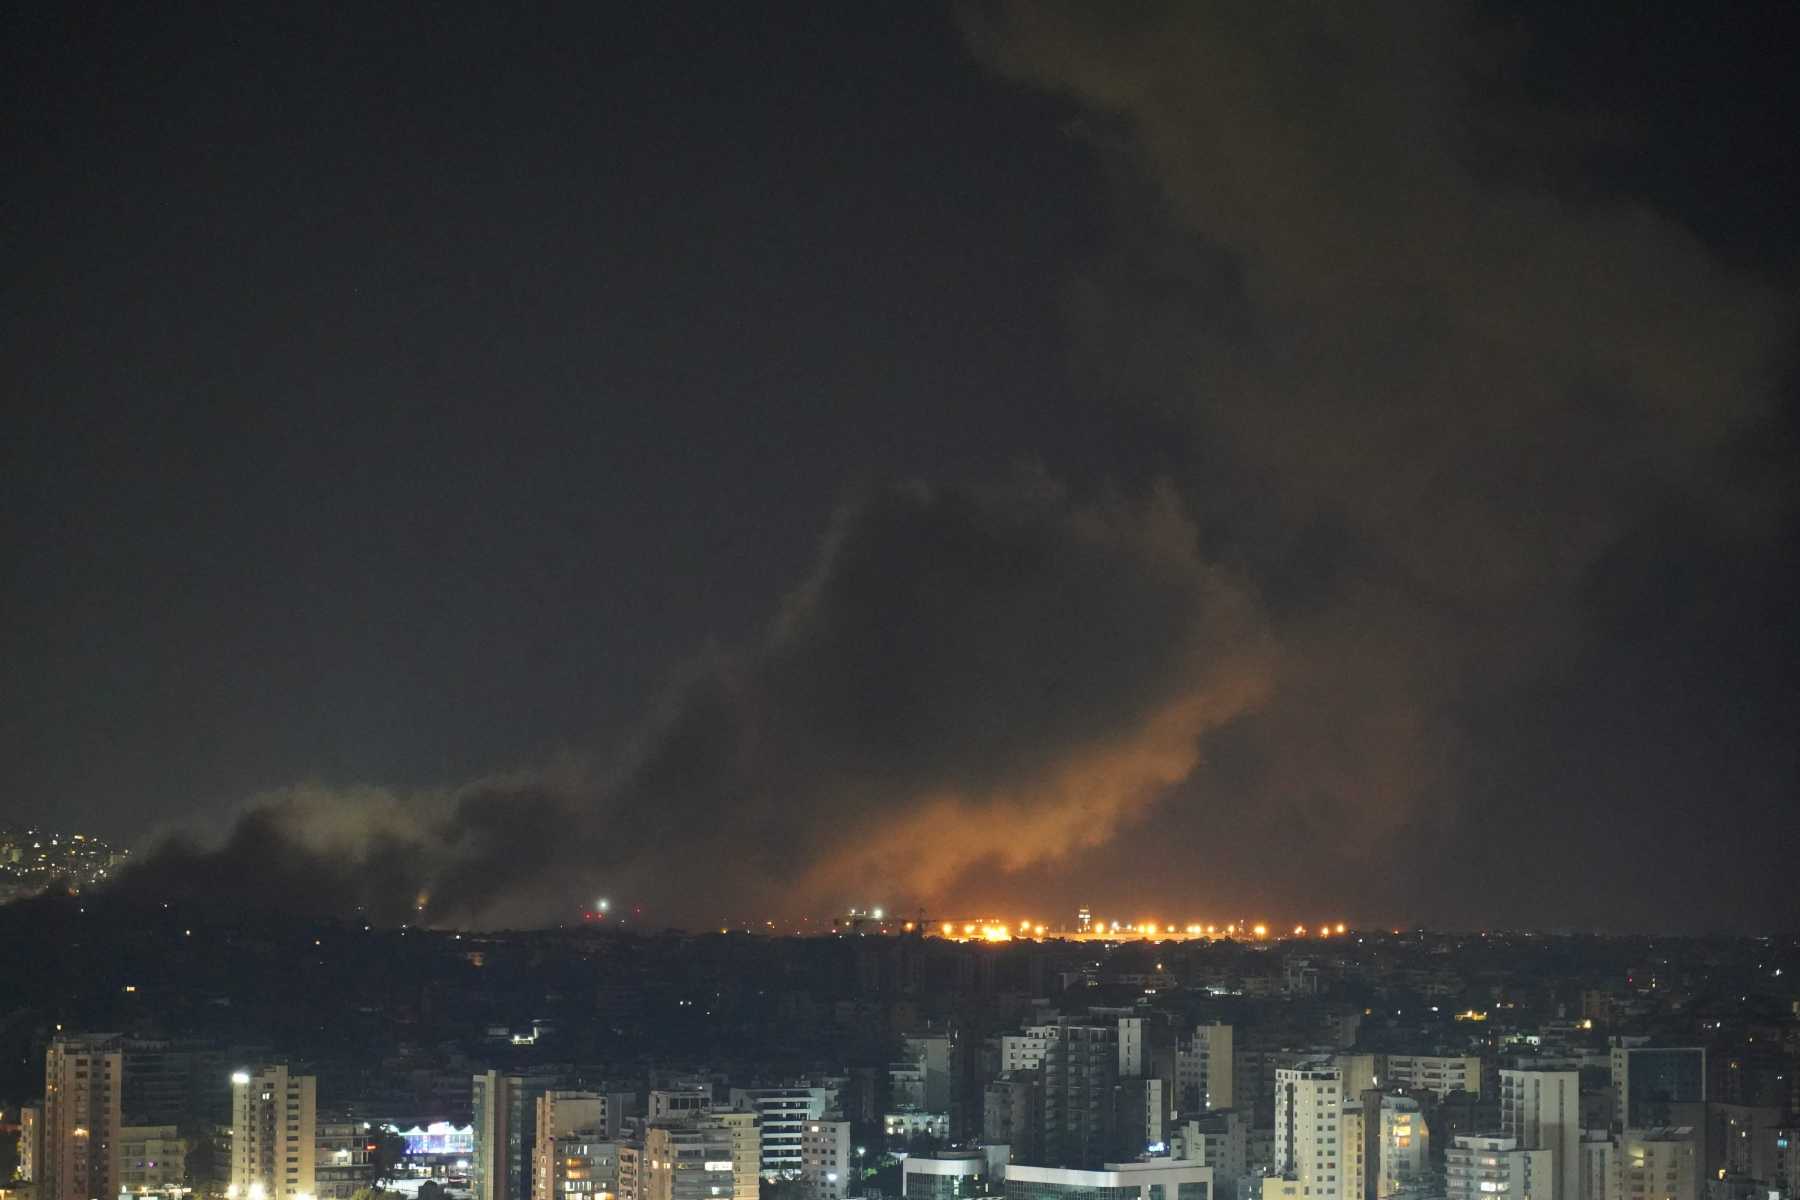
(1430, 394)
(1415, 400)
(969, 675)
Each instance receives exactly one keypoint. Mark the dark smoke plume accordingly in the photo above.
(1432, 395)
(968, 675)
(1420, 404)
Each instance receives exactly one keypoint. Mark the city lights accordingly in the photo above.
(1089, 928)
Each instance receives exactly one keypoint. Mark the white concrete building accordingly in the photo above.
(1403, 1144)
(784, 1114)
(1023, 1052)
(1497, 1168)
(340, 1160)
(152, 1159)
(1596, 1165)
(1220, 1140)
(585, 1167)
(827, 1160)
(1309, 1106)
(31, 1143)
(702, 1156)
(84, 1078)
(1438, 1073)
(1353, 1148)
(932, 1053)
(274, 1134)
(565, 1119)
(1203, 1068)
(1657, 1164)
(1131, 1047)
(666, 1103)
(1541, 1110)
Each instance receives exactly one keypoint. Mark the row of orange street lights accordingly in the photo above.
(987, 929)
(1000, 931)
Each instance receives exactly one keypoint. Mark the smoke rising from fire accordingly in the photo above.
(1412, 396)
(999, 674)
(1427, 394)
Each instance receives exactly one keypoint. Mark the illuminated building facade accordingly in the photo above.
(1309, 1106)
(83, 1083)
(1356, 1125)
(1402, 1146)
(1657, 1164)
(560, 1114)
(1440, 1074)
(152, 1159)
(274, 1132)
(341, 1159)
(573, 1153)
(705, 1156)
(827, 1162)
(1497, 1168)
(783, 1115)
(582, 1165)
(31, 1143)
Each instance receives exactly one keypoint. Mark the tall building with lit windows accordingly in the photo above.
(582, 1165)
(703, 1156)
(152, 1160)
(827, 1165)
(1497, 1168)
(783, 1114)
(1401, 1147)
(1309, 1135)
(31, 1143)
(341, 1159)
(574, 1156)
(274, 1134)
(84, 1079)
(1657, 1164)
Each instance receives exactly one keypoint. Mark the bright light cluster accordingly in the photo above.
(989, 929)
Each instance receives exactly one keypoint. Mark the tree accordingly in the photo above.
(387, 1150)
(202, 1163)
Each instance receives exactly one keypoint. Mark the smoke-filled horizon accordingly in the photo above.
(1385, 515)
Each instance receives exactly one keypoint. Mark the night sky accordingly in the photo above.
(1194, 460)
